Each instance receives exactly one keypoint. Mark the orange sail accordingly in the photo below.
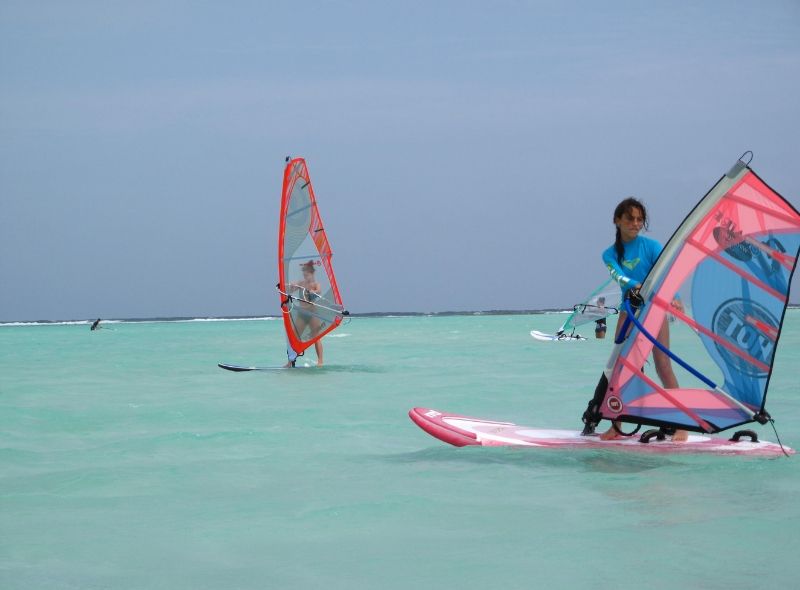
(310, 299)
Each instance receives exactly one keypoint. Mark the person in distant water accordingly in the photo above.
(305, 293)
(95, 325)
(600, 325)
(629, 261)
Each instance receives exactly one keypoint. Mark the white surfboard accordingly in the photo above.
(544, 337)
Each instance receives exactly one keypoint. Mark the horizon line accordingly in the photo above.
(274, 317)
(373, 314)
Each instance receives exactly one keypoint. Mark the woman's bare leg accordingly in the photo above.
(318, 350)
(663, 362)
(316, 325)
(665, 372)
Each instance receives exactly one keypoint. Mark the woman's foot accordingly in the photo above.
(610, 434)
(680, 436)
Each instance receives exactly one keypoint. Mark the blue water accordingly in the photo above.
(129, 460)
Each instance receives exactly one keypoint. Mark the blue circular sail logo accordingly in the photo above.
(749, 327)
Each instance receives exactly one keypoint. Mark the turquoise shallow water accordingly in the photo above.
(129, 460)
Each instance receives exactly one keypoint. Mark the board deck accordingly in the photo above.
(462, 431)
(544, 337)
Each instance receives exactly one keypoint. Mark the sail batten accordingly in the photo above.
(721, 341)
(297, 211)
(311, 257)
(745, 275)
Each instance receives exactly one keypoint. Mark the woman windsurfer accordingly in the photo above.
(309, 291)
(629, 260)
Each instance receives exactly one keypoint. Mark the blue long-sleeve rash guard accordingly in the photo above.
(640, 256)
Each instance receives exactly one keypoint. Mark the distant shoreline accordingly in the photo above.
(235, 318)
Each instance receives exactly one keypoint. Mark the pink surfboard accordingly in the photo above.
(461, 431)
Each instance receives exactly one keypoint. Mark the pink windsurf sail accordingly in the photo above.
(730, 264)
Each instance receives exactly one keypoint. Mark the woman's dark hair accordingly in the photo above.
(624, 207)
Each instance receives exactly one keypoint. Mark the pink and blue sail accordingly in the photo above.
(734, 256)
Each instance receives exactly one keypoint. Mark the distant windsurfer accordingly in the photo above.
(629, 260)
(95, 325)
(600, 325)
(307, 292)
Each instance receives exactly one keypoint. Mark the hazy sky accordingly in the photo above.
(466, 155)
